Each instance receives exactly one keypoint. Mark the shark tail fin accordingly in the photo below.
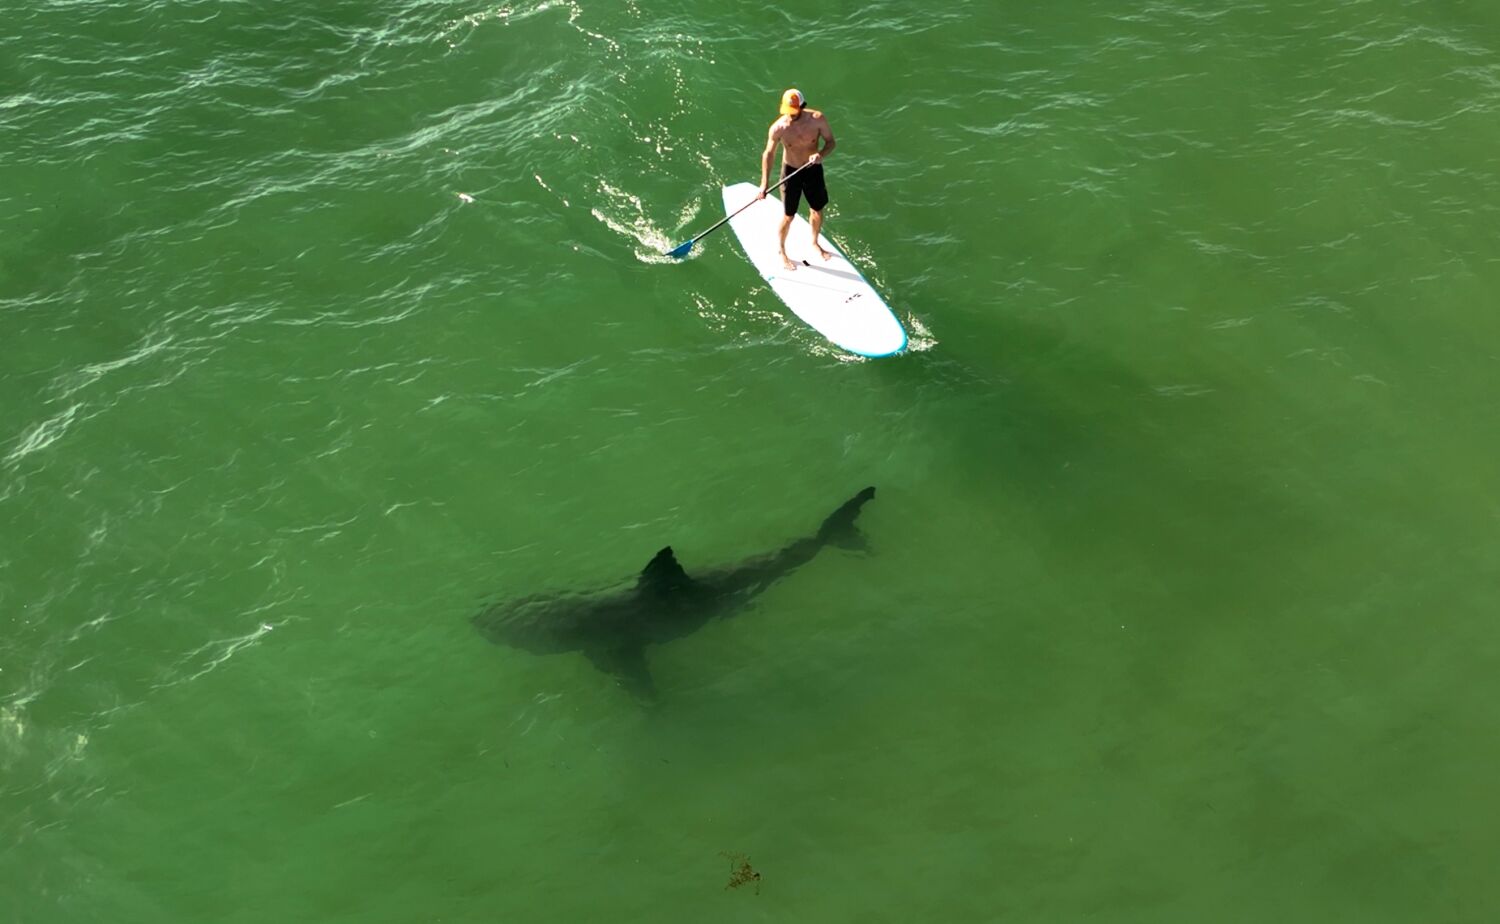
(839, 528)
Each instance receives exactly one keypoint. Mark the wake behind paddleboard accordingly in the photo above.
(830, 295)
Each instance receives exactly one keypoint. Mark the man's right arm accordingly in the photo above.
(766, 157)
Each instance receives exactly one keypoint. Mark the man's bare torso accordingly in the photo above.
(799, 136)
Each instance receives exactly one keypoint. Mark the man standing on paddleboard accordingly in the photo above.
(798, 131)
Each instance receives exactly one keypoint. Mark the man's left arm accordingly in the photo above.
(826, 134)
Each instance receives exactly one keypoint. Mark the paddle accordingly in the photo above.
(681, 250)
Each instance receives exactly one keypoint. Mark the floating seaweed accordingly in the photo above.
(740, 871)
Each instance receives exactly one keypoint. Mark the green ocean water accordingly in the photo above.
(1180, 595)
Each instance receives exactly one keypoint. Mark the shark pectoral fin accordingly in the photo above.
(626, 664)
(662, 573)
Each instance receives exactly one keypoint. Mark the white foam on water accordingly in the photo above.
(42, 435)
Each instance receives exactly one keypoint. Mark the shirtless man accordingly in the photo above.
(798, 131)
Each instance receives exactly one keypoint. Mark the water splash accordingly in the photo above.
(919, 339)
(625, 214)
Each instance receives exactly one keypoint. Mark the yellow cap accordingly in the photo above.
(792, 102)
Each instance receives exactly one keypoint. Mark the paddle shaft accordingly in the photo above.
(726, 218)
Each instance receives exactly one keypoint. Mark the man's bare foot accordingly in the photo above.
(788, 261)
(825, 254)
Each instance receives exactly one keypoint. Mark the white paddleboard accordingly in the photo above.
(830, 295)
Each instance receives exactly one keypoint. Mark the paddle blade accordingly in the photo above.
(681, 250)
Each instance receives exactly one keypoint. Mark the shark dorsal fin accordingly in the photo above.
(662, 572)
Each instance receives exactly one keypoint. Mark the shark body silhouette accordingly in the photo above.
(613, 627)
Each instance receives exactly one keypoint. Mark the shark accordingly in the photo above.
(614, 626)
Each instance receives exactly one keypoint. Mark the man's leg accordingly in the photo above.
(817, 225)
(786, 222)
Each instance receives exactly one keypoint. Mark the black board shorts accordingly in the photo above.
(809, 181)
